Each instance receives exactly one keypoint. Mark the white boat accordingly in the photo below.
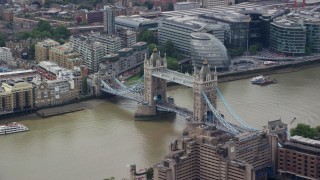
(257, 79)
(13, 127)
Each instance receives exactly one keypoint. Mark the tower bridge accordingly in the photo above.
(150, 93)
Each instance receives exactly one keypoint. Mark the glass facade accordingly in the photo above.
(313, 36)
(205, 46)
(287, 37)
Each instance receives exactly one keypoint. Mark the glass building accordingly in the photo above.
(288, 37)
(205, 46)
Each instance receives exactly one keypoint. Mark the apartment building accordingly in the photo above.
(5, 54)
(16, 95)
(65, 56)
(42, 49)
(125, 59)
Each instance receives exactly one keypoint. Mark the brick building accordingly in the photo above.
(42, 49)
(299, 158)
(65, 56)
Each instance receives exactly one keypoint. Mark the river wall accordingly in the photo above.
(285, 68)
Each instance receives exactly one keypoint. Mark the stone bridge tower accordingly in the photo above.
(204, 81)
(154, 88)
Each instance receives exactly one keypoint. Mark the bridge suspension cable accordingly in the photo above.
(235, 116)
(222, 121)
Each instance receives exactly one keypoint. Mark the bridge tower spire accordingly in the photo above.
(204, 81)
(154, 88)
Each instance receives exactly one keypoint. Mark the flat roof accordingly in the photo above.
(17, 72)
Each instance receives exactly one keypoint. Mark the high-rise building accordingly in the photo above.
(90, 50)
(42, 49)
(109, 19)
(207, 153)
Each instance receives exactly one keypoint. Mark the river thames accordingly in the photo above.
(98, 143)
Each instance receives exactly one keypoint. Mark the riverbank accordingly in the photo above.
(280, 69)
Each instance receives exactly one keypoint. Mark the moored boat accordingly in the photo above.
(257, 79)
(13, 127)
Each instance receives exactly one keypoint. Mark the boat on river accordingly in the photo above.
(13, 127)
(263, 80)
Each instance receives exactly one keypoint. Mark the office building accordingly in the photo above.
(16, 95)
(5, 54)
(125, 59)
(205, 46)
(109, 19)
(179, 29)
(299, 158)
(236, 27)
(178, 6)
(42, 49)
(287, 37)
(208, 153)
(65, 56)
(135, 23)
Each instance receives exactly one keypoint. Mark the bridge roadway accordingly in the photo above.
(174, 76)
(173, 108)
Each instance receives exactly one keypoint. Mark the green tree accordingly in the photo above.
(169, 47)
(32, 51)
(148, 4)
(170, 6)
(151, 47)
(44, 26)
(150, 174)
(61, 32)
(25, 35)
(305, 131)
(147, 36)
(2, 40)
(84, 85)
(172, 63)
(253, 49)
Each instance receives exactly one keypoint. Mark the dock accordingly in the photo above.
(61, 110)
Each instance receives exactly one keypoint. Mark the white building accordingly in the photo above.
(5, 54)
(186, 5)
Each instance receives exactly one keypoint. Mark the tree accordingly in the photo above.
(305, 131)
(44, 26)
(151, 47)
(61, 32)
(32, 51)
(170, 6)
(147, 36)
(169, 47)
(84, 85)
(25, 35)
(150, 174)
(2, 40)
(148, 4)
(253, 49)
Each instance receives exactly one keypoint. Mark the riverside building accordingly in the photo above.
(179, 29)
(287, 37)
(208, 153)
(16, 95)
(299, 158)
(206, 46)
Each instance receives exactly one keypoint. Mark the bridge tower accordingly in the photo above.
(204, 81)
(154, 88)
